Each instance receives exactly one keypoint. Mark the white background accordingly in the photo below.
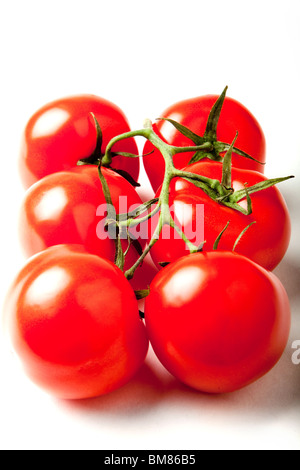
(145, 56)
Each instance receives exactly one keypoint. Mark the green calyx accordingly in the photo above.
(214, 147)
(222, 191)
(228, 197)
(98, 157)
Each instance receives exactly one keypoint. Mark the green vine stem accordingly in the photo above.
(219, 191)
(165, 217)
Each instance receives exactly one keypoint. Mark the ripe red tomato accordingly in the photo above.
(217, 321)
(63, 132)
(266, 242)
(70, 208)
(193, 114)
(74, 323)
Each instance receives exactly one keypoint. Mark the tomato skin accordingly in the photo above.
(193, 114)
(217, 321)
(63, 132)
(74, 323)
(266, 242)
(62, 208)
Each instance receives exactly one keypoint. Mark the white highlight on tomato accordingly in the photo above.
(50, 122)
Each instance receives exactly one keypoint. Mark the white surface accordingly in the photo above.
(145, 56)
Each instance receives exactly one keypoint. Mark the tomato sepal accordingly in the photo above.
(210, 136)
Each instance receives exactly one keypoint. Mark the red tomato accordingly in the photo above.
(193, 114)
(74, 323)
(266, 242)
(217, 321)
(70, 208)
(63, 132)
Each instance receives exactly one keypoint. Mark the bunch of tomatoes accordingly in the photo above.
(216, 316)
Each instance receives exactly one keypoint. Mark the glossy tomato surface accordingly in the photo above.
(63, 132)
(70, 208)
(74, 323)
(217, 321)
(193, 114)
(203, 219)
